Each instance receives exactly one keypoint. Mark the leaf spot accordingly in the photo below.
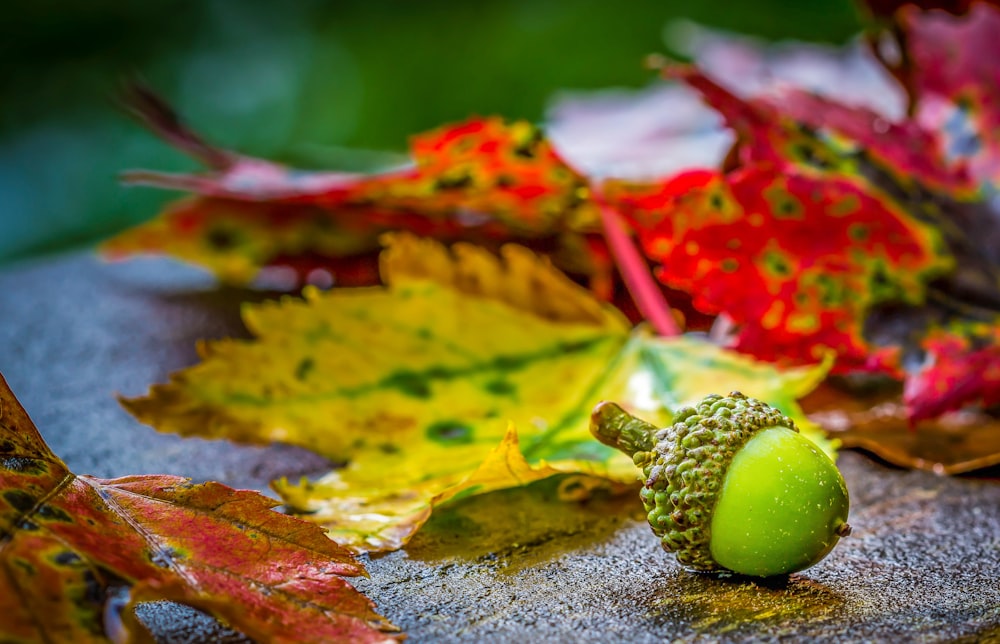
(19, 500)
(408, 382)
(52, 513)
(221, 239)
(67, 558)
(21, 464)
(450, 432)
(304, 368)
(501, 387)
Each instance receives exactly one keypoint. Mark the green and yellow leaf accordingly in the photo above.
(466, 373)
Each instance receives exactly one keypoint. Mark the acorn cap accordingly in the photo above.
(684, 465)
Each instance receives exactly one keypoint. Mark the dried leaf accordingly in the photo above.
(466, 374)
(952, 443)
(75, 550)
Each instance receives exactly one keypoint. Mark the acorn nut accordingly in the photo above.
(732, 485)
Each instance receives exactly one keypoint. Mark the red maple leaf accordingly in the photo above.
(833, 228)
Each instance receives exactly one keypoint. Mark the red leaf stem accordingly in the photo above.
(646, 293)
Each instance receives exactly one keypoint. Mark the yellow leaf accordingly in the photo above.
(375, 513)
(419, 386)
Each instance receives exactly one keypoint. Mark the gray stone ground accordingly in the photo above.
(922, 565)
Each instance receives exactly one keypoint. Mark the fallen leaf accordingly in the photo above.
(843, 231)
(78, 553)
(956, 442)
(946, 62)
(746, 244)
(484, 180)
(467, 373)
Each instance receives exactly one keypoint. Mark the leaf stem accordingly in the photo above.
(645, 292)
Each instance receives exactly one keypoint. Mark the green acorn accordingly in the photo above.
(732, 485)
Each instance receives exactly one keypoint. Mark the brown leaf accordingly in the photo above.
(954, 443)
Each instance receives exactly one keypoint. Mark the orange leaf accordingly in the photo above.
(72, 546)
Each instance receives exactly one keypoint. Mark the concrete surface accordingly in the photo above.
(923, 563)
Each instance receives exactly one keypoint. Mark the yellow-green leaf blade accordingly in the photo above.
(466, 374)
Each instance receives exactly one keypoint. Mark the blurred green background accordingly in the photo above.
(301, 82)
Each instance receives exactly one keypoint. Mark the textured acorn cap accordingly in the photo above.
(684, 465)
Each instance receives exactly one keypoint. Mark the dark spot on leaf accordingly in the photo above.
(729, 265)
(505, 181)
(508, 363)
(858, 232)
(715, 201)
(52, 513)
(579, 345)
(389, 448)
(408, 382)
(221, 239)
(67, 558)
(528, 149)
(525, 151)
(500, 387)
(455, 181)
(450, 432)
(777, 264)
(21, 464)
(305, 366)
(439, 373)
(784, 205)
(831, 293)
(810, 155)
(19, 500)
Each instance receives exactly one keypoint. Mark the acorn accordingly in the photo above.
(732, 485)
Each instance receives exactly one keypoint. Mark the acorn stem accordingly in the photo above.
(617, 428)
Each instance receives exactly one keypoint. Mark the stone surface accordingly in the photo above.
(923, 563)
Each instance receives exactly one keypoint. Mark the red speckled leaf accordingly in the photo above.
(807, 132)
(506, 171)
(952, 71)
(76, 551)
(964, 366)
(796, 260)
(933, 174)
(833, 228)
(484, 180)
